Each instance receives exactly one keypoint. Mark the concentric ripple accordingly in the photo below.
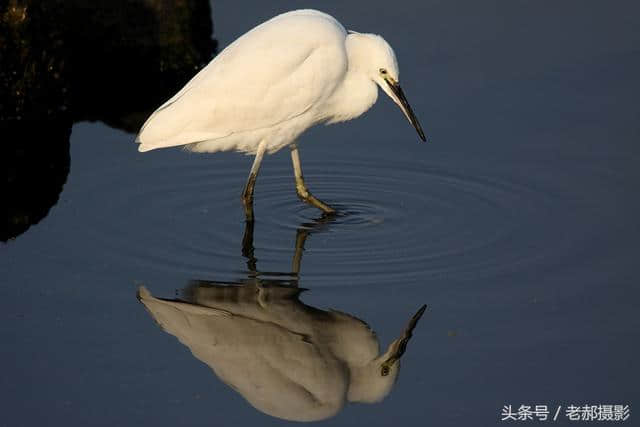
(397, 221)
(400, 221)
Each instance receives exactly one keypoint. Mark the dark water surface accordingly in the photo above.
(518, 227)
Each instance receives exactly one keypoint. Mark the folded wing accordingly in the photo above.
(277, 71)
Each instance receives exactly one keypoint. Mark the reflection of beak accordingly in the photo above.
(401, 100)
(399, 346)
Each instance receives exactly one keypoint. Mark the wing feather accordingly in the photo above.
(275, 72)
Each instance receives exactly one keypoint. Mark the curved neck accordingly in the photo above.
(357, 92)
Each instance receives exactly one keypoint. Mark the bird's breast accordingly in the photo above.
(352, 98)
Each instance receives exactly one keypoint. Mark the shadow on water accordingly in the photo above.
(64, 61)
(287, 359)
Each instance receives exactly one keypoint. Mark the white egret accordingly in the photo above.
(265, 89)
(287, 359)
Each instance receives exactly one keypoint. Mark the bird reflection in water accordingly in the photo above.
(287, 359)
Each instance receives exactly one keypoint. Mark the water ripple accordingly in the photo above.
(396, 220)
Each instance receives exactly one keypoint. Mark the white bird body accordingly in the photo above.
(234, 103)
(265, 89)
(287, 359)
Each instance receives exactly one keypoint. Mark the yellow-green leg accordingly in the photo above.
(301, 188)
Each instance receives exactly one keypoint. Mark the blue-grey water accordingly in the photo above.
(517, 226)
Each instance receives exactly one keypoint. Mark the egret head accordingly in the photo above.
(373, 382)
(377, 59)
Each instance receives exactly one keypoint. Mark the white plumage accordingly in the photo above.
(259, 94)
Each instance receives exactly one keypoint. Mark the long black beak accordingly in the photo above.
(406, 108)
(399, 346)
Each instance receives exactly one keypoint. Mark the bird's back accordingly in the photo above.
(268, 77)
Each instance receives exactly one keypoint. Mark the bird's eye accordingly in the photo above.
(384, 371)
(383, 71)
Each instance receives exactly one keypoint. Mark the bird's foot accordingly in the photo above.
(306, 196)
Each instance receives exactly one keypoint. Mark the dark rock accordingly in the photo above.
(63, 61)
